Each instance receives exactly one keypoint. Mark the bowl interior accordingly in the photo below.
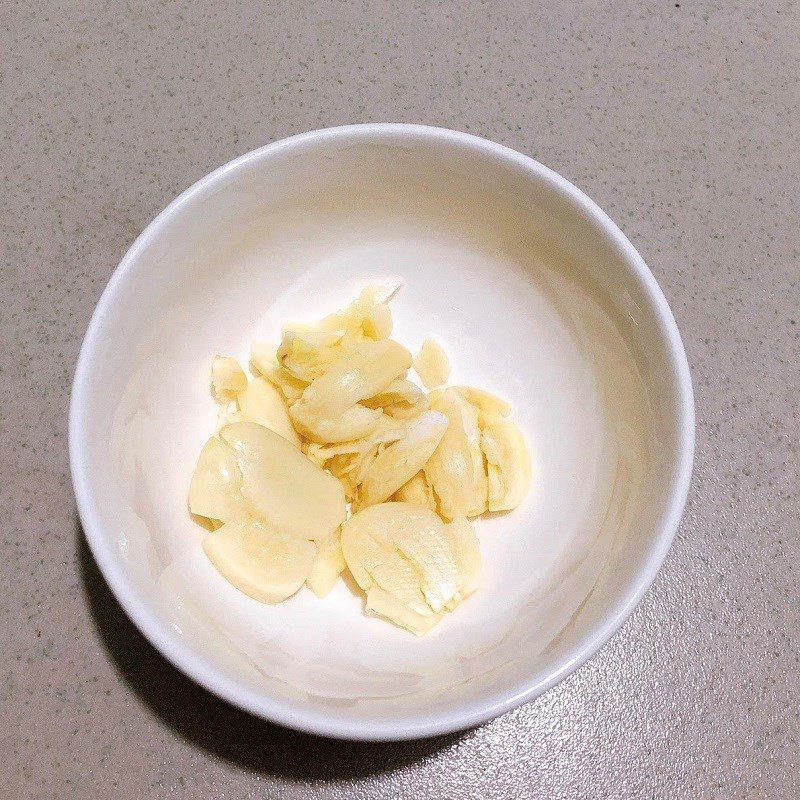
(531, 296)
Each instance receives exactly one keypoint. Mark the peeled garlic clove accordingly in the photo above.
(382, 604)
(417, 491)
(508, 464)
(431, 364)
(490, 407)
(455, 471)
(354, 423)
(327, 566)
(227, 378)
(261, 402)
(359, 374)
(264, 362)
(467, 553)
(400, 461)
(215, 491)
(264, 564)
(404, 550)
(287, 491)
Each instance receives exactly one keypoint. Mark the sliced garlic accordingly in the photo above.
(215, 491)
(405, 550)
(386, 431)
(330, 417)
(265, 564)
(490, 407)
(378, 322)
(431, 364)
(285, 489)
(382, 604)
(362, 463)
(327, 566)
(372, 561)
(228, 413)
(400, 461)
(307, 354)
(354, 423)
(264, 362)
(342, 468)
(261, 402)
(348, 461)
(467, 553)
(362, 373)
(508, 464)
(455, 471)
(417, 491)
(357, 317)
(328, 410)
(227, 378)
(401, 398)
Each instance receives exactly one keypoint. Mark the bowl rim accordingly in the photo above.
(295, 713)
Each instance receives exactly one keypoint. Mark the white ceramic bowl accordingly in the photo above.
(534, 292)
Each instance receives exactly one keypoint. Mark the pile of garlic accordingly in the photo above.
(331, 459)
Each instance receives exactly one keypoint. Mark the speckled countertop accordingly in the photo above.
(681, 119)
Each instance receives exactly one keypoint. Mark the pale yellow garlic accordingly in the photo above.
(382, 604)
(331, 417)
(405, 550)
(342, 468)
(265, 564)
(327, 566)
(359, 374)
(262, 357)
(432, 364)
(228, 413)
(400, 399)
(490, 407)
(378, 322)
(371, 560)
(264, 362)
(364, 462)
(354, 423)
(227, 378)
(386, 431)
(358, 315)
(417, 491)
(508, 463)
(467, 553)
(455, 471)
(215, 491)
(328, 410)
(261, 402)
(284, 488)
(307, 354)
(401, 460)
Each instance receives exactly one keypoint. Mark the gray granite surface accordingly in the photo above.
(681, 119)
